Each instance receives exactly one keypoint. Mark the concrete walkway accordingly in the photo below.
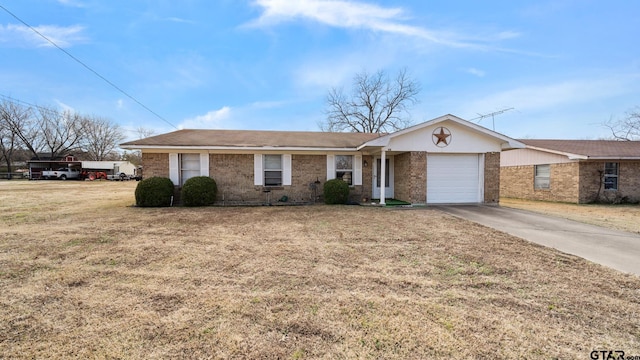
(616, 249)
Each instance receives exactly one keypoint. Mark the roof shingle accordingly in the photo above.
(590, 148)
(252, 138)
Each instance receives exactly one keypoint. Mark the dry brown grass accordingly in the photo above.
(619, 217)
(85, 275)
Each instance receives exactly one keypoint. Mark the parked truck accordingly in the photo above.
(62, 174)
(85, 170)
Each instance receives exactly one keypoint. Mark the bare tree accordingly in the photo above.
(144, 132)
(59, 133)
(376, 104)
(135, 156)
(627, 128)
(18, 121)
(101, 138)
(8, 138)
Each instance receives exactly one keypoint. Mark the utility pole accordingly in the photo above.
(493, 114)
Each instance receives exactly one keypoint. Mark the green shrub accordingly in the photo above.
(199, 191)
(154, 192)
(336, 191)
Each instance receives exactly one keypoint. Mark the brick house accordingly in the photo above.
(445, 160)
(576, 171)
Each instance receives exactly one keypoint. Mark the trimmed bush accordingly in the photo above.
(154, 192)
(336, 191)
(199, 191)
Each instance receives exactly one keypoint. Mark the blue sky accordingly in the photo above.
(564, 66)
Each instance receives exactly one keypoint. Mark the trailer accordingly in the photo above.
(70, 168)
(110, 170)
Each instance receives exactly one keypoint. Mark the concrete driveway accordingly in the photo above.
(616, 249)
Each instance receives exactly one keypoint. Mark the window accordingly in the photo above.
(542, 177)
(611, 176)
(189, 166)
(273, 170)
(344, 168)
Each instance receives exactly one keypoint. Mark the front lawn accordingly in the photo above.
(83, 274)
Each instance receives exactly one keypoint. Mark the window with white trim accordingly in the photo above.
(189, 166)
(344, 168)
(272, 170)
(611, 171)
(542, 179)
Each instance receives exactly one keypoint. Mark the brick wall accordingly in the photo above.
(233, 174)
(492, 178)
(411, 177)
(592, 189)
(517, 182)
(305, 170)
(155, 165)
(629, 180)
(418, 177)
(367, 178)
(402, 184)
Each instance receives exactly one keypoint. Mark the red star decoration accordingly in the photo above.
(442, 137)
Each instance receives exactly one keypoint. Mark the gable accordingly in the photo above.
(457, 138)
(520, 157)
(446, 134)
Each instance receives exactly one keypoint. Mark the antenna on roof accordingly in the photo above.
(493, 114)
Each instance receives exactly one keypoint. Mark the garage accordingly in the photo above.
(454, 178)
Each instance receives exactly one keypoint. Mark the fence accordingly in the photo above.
(13, 175)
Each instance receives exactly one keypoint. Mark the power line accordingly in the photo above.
(41, 108)
(88, 67)
(47, 109)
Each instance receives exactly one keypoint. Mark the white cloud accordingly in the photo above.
(75, 3)
(507, 35)
(346, 14)
(335, 13)
(476, 72)
(180, 20)
(65, 107)
(20, 35)
(212, 120)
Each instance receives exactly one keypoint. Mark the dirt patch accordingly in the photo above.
(85, 274)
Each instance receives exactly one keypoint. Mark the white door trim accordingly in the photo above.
(389, 190)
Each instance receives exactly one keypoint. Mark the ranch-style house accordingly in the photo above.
(576, 171)
(444, 160)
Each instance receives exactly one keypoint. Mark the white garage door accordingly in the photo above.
(454, 178)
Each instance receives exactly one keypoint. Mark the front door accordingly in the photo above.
(388, 180)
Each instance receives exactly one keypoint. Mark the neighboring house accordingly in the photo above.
(445, 160)
(577, 171)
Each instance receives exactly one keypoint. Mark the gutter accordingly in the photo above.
(569, 155)
(235, 148)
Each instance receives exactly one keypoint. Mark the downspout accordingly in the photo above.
(383, 171)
